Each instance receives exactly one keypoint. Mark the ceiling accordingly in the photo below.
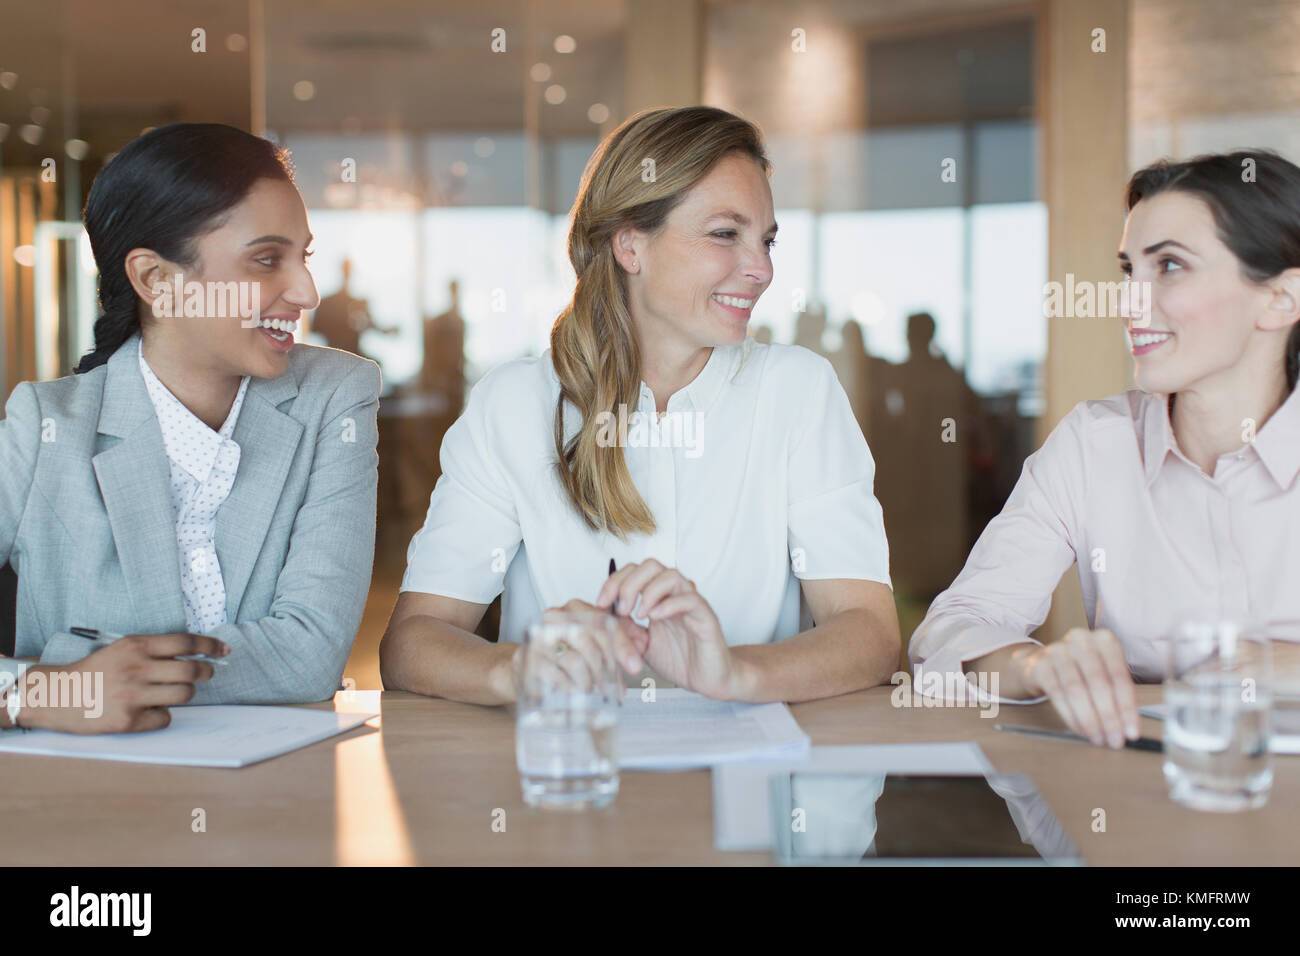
(106, 70)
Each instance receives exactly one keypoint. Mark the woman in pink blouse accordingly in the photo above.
(1175, 501)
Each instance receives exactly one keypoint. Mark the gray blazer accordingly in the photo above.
(86, 520)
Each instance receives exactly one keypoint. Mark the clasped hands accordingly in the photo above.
(680, 640)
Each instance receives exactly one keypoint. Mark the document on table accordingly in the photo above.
(1285, 736)
(217, 735)
(679, 729)
(742, 816)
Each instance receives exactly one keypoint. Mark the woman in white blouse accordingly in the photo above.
(720, 475)
(1177, 501)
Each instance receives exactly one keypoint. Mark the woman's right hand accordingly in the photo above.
(1087, 679)
(608, 645)
(141, 678)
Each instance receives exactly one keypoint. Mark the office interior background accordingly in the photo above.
(439, 160)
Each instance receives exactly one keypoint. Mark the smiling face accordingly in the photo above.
(1200, 323)
(261, 244)
(697, 279)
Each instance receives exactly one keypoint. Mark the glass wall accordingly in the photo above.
(913, 246)
(439, 148)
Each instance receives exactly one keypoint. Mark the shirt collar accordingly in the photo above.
(703, 390)
(1157, 434)
(1277, 444)
(189, 442)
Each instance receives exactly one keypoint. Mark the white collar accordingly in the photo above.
(703, 390)
(189, 442)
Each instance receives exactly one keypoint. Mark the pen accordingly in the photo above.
(107, 637)
(1141, 743)
(615, 601)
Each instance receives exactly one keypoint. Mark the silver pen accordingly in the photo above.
(108, 637)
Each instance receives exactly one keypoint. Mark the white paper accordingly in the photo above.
(1278, 743)
(217, 735)
(742, 817)
(680, 729)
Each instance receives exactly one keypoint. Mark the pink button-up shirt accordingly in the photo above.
(1155, 539)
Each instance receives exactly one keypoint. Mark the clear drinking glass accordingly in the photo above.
(1218, 696)
(566, 727)
(1284, 720)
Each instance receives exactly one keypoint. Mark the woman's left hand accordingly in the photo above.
(685, 639)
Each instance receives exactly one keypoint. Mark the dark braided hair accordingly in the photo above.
(1258, 221)
(161, 192)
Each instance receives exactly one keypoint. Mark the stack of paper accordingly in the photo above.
(218, 735)
(678, 729)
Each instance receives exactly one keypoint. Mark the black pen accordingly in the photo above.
(107, 637)
(615, 601)
(1141, 743)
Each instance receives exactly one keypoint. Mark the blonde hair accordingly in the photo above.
(634, 179)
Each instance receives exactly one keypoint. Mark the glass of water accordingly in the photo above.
(1218, 697)
(1284, 720)
(569, 691)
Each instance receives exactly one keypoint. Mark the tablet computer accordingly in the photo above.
(865, 819)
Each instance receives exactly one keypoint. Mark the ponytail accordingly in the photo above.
(118, 322)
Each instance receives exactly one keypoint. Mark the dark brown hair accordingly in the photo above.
(1258, 220)
(163, 191)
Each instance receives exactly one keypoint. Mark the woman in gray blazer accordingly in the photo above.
(203, 484)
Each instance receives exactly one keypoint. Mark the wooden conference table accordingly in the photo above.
(424, 783)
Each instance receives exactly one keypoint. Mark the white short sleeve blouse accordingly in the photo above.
(758, 476)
